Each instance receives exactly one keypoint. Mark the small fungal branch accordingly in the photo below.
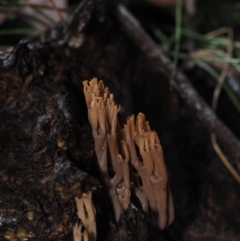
(86, 212)
(130, 160)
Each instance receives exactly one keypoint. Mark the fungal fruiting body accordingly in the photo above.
(125, 171)
(87, 214)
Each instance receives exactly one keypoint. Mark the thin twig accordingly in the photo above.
(35, 18)
(178, 34)
(55, 7)
(19, 31)
(216, 95)
(27, 4)
(223, 158)
(37, 5)
(181, 83)
(226, 66)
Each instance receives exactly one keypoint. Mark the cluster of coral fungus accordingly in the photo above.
(130, 160)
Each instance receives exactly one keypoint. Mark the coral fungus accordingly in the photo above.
(125, 171)
(87, 214)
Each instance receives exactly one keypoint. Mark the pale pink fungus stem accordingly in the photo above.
(150, 183)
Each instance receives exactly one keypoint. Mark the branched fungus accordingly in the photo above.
(123, 171)
(87, 214)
